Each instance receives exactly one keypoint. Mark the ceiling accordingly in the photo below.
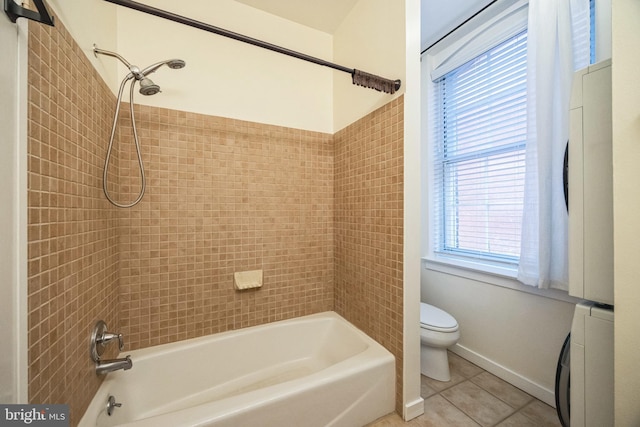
(438, 16)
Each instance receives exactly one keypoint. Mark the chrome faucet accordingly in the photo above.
(110, 365)
(99, 340)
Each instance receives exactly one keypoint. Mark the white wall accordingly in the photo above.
(228, 78)
(11, 330)
(372, 39)
(626, 204)
(515, 335)
(89, 22)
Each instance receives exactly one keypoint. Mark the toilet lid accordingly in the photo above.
(434, 318)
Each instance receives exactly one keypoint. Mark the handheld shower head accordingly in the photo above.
(148, 87)
(174, 64)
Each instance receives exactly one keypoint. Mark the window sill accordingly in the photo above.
(493, 275)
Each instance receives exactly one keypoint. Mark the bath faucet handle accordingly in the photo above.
(100, 338)
(107, 337)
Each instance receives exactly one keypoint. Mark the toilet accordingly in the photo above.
(438, 331)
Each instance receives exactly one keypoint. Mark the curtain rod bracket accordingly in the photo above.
(15, 11)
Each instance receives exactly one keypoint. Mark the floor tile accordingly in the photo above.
(541, 413)
(438, 412)
(518, 420)
(474, 398)
(477, 403)
(462, 366)
(504, 391)
(439, 386)
(425, 390)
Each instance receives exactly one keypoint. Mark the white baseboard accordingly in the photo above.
(523, 383)
(413, 409)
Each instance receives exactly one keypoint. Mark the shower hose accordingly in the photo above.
(137, 144)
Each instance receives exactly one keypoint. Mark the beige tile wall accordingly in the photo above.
(222, 196)
(369, 227)
(72, 233)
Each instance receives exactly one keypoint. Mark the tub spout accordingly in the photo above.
(106, 366)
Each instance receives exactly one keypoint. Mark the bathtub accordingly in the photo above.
(316, 370)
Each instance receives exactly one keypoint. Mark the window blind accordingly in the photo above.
(480, 125)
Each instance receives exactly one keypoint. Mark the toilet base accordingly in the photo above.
(434, 363)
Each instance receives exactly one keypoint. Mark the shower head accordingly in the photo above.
(174, 64)
(148, 87)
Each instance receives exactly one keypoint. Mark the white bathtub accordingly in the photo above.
(316, 370)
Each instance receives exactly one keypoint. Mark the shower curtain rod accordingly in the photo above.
(358, 77)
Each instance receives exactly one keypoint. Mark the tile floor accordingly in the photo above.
(475, 397)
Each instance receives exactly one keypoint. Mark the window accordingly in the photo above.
(476, 105)
(481, 118)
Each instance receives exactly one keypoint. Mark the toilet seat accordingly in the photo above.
(435, 319)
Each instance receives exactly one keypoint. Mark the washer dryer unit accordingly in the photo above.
(588, 377)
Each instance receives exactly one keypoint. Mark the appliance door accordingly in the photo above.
(592, 366)
(590, 182)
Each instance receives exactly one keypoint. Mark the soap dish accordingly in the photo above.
(247, 279)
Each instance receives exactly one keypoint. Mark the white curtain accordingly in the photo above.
(550, 68)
